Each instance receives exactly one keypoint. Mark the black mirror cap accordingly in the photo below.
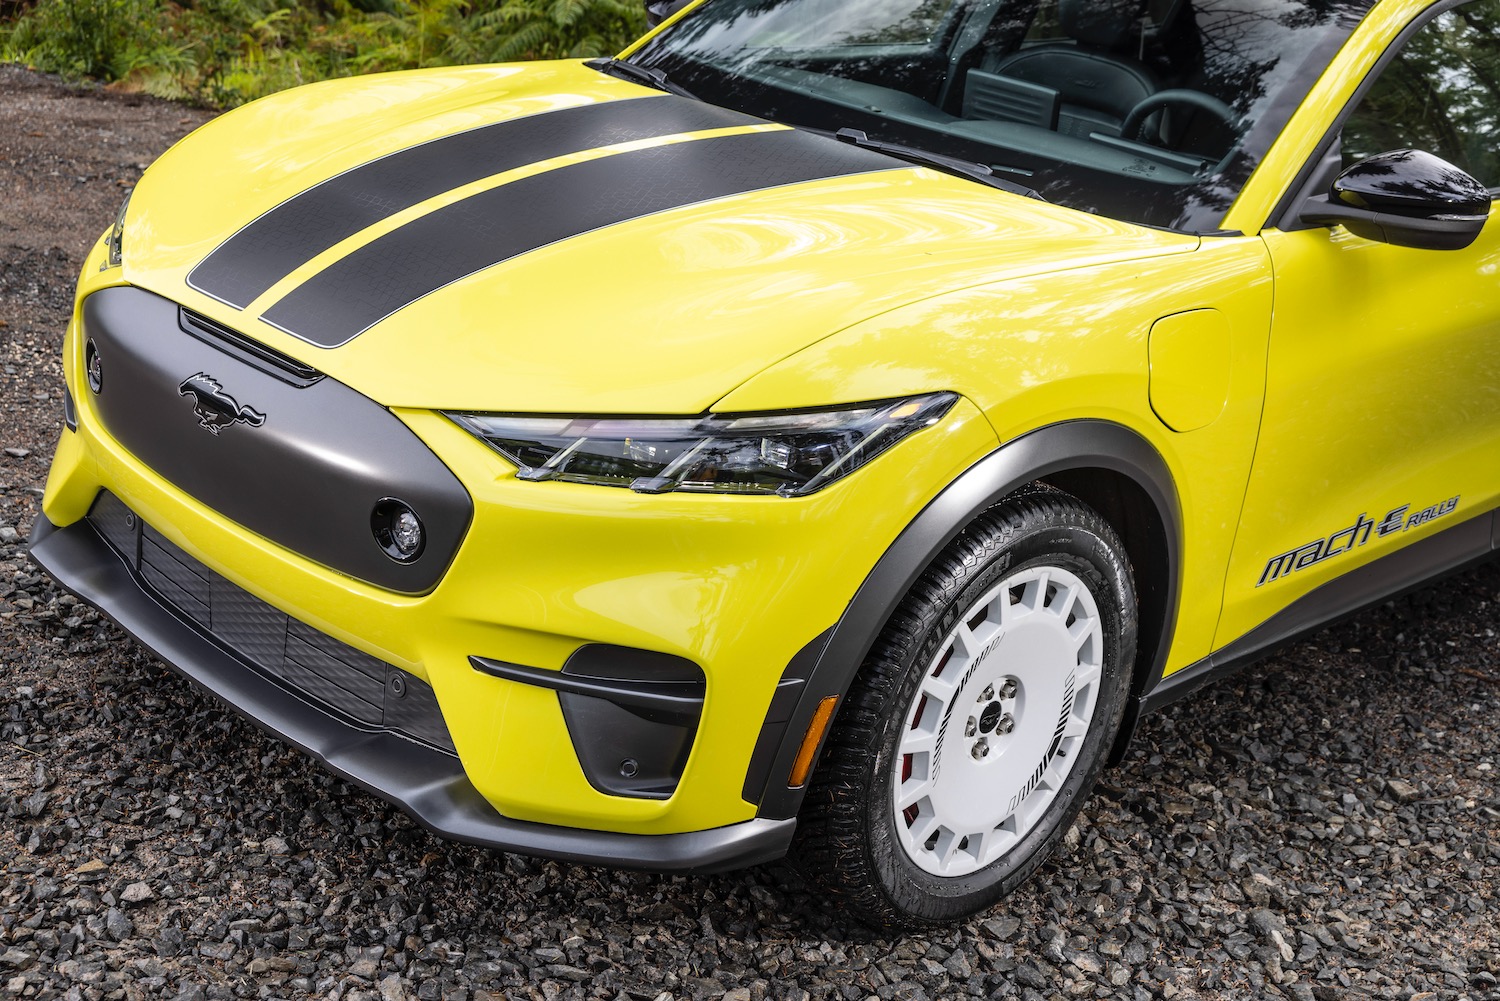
(658, 11)
(1408, 198)
(1411, 182)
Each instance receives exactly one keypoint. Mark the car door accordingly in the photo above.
(1382, 413)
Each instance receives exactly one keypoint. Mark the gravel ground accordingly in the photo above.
(1323, 826)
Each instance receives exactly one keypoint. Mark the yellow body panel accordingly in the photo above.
(1075, 345)
(1251, 362)
(1377, 398)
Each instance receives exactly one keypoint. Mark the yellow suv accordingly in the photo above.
(825, 427)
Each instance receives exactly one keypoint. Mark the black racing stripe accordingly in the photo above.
(457, 240)
(299, 229)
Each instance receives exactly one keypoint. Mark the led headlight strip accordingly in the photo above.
(790, 453)
(115, 244)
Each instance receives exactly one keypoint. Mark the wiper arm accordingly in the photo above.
(640, 74)
(949, 164)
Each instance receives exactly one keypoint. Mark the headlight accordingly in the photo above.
(788, 453)
(116, 241)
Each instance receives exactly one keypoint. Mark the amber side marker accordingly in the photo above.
(821, 717)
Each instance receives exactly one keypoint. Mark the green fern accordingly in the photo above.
(225, 52)
(550, 29)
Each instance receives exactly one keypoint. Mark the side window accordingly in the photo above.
(1440, 94)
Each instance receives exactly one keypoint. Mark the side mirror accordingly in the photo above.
(1408, 198)
(658, 11)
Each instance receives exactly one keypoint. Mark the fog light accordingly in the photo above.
(93, 366)
(398, 530)
(407, 533)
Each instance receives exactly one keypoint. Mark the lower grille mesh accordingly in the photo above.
(315, 666)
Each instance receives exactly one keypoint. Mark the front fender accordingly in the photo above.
(830, 662)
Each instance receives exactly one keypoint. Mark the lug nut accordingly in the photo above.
(987, 694)
(1008, 690)
(1006, 725)
(971, 727)
(981, 749)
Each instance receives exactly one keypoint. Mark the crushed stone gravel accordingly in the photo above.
(1323, 826)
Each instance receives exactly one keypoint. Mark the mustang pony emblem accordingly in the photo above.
(215, 408)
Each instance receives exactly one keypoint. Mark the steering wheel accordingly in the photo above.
(1136, 116)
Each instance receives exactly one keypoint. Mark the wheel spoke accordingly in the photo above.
(1063, 605)
(1008, 611)
(1003, 837)
(1086, 676)
(926, 824)
(1028, 812)
(964, 643)
(1035, 595)
(978, 842)
(937, 689)
(912, 794)
(947, 845)
(988, 630)
(1080, 631)
(918, 742)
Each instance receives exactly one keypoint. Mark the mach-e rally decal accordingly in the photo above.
(1396, 520)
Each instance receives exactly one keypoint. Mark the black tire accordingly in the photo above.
(852, 840)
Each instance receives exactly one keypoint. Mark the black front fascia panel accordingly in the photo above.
(303, 466)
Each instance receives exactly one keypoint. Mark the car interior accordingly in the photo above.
(1114, 85)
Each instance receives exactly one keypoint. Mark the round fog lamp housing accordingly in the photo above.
(93, 367)
(398, 530)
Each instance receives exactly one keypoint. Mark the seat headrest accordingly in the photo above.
(1107, 24)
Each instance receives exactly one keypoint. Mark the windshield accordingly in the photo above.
(1152, 111)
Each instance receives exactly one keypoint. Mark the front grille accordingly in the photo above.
(316, 667)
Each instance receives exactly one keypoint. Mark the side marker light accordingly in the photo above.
(822, 716)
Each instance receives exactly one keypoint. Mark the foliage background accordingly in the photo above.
(223, 53)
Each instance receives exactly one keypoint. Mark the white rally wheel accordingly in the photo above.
(996, 724)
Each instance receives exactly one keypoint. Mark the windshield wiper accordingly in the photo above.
(980, 172)
(640, 74)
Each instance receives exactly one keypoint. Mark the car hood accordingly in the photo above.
(545, 238)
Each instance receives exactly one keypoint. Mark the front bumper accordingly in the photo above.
(422, 780)
(738, 587)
